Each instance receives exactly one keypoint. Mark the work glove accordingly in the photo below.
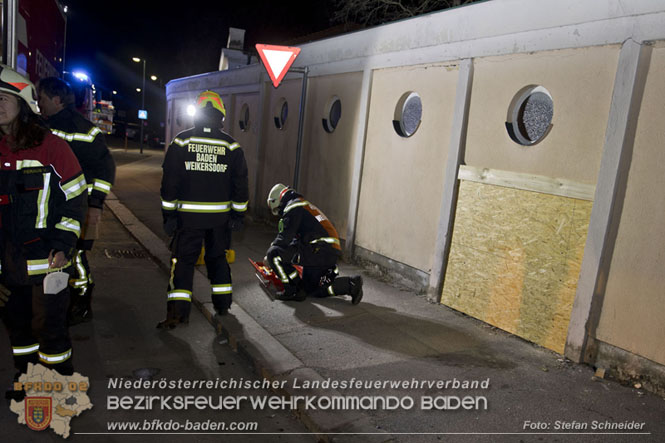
(236, 223)
(4, 295)
(170, 226)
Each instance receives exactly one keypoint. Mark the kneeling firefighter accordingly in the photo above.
(308, 238)
(204, 197)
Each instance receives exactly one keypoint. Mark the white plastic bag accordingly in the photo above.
(55, 282)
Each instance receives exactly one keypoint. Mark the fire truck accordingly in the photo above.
(102, 115)
(33, 37)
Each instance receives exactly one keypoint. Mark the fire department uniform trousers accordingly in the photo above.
(186, 249)
(30, 313)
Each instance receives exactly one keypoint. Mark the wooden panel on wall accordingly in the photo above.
(515, 260)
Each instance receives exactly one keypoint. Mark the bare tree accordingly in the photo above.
(374, 12)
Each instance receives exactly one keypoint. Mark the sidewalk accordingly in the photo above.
(395, 335)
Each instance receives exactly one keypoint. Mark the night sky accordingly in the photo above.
(102, 37)
(177, 39)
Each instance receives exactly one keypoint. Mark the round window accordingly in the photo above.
(281, 113)
(530, 115)
(244, 118)
(408, 114)
(332, 114)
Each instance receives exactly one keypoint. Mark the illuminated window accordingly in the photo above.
(408, 114)
(332, 114)
(530, 115)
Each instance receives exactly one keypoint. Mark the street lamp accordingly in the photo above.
(64, 46)
(138, 60)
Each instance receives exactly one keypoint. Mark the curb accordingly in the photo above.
(272, 360)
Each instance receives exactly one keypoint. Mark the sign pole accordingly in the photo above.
(301, 124)
(278, 60)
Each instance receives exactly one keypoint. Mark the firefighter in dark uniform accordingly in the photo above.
(42, 206)
(56, 101)
(308, 238)
(204, 197)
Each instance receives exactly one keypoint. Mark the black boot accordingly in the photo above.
(222, 311)
(291, 292)
(175, 315)
(356, 289)
(81, 309)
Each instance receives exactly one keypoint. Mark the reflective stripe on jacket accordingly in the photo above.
(303, 224)
(204, 178)
(42, 206)
(87, 142)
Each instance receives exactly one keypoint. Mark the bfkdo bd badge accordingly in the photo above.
(38, 412)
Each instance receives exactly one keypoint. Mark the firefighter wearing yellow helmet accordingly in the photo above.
(204, 197)
(209, 98)
(308, 238)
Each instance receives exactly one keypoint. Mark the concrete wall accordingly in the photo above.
(278, 146)
(580, 82)
(633, 311)
(402, 177)
(248, 139)
(326, 166)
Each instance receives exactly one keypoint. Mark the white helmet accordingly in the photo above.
(275, 197)
(14, 83)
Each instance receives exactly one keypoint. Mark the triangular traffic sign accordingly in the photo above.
(277, 60)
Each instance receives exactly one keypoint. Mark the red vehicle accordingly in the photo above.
(34, 37)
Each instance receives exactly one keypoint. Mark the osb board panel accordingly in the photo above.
(515, 260)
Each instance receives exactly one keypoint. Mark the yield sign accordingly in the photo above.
(277, 60)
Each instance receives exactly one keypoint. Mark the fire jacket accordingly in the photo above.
(42, 206)
(304, 226)
(87, 142)
(204, 179)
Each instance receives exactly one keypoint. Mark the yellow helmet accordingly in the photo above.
(213, 98)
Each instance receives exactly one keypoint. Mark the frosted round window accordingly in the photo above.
(530, 115)
(408, 114)
(332, 114)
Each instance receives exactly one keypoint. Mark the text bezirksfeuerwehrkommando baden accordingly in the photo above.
(234, 401)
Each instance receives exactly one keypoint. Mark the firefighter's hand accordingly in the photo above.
(94, 215)
(4, 295)
(57, 260)
(170, 226)
(236, 224)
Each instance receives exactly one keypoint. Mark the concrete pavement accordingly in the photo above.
(394, 335)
